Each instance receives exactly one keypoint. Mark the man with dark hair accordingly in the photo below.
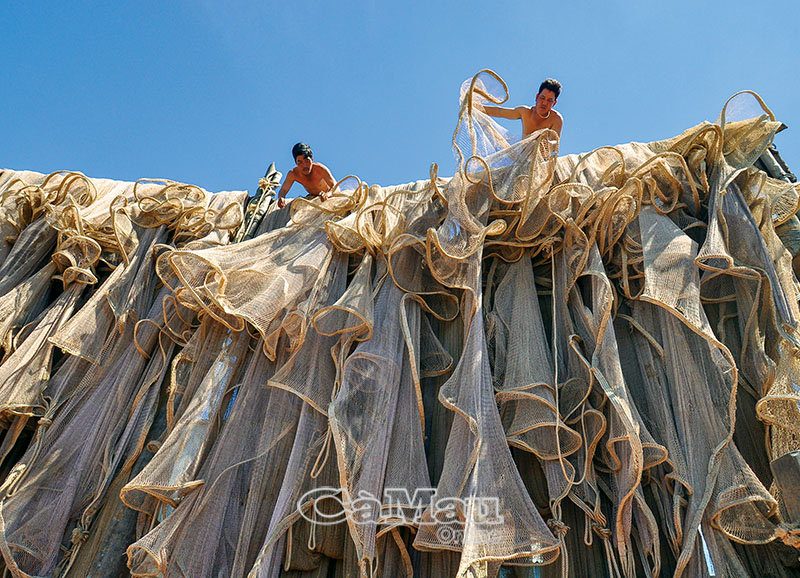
(536, 117)
(315, 177)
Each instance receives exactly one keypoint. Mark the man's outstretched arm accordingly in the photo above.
(502, 111)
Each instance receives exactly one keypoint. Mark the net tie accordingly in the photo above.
(558, 527)
(79, 535)
(789, 536)
(594, 527)
(603, 532)
(560, 530)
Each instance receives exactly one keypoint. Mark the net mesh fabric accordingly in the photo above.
(574, 341)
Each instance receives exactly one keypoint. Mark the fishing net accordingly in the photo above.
(583, 363)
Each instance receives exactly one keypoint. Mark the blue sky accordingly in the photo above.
(210, 92)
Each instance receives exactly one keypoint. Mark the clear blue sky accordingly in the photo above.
(210, 92)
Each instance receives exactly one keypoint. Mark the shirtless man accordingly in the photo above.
(541, 115)
(315, 177)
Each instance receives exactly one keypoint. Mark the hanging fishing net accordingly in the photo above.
(586, 364)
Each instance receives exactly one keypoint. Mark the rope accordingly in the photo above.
(560, 530)
(788, 535)
(324, 453)
(312, 534)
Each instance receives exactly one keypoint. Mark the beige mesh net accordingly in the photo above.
(584, 364)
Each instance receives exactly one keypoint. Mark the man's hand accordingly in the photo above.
(281, 202)
(325, 195)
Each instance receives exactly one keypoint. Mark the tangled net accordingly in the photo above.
(584, 363)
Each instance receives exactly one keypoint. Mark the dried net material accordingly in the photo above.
(83, 437)
(173, 471)
(60, 482)
(239, 484)
(523, 369)
(377, 395)
(541, 360)
(238, 283)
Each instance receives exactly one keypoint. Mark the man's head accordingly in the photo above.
(303, 157)
(547, 96)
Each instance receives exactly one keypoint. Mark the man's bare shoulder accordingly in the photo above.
(322, 169)
(558, 122)
(526, 111)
